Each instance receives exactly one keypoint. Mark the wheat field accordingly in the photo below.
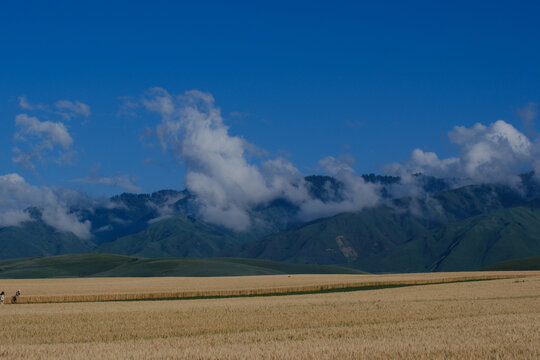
(145, 288)
(496, 319)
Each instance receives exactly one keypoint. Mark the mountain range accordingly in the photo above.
(445, 229)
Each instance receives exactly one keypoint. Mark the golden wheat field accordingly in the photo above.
(494, 319)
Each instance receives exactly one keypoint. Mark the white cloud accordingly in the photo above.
(339, 165)
(26, 105)
(70, 109)
(528, 113)
(499, 133)
(121, 181)
(16, 196)
(43, 136)
(494, 153)
(65, 108)
(217, 171)
(354, 193)
(54, 133)
(26, 159)
(13, 217)
(227, 185)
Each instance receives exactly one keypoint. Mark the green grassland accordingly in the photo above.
(530, 263)
(384, 240)
(109, 265)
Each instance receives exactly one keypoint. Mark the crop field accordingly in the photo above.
(443, 319)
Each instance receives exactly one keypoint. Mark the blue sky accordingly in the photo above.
(302, 81)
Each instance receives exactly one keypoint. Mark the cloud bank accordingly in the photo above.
(353, 194)
(225, 183)
(496, 153)
(17, 196)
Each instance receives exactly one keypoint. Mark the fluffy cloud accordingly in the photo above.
(227, 185)
(494, 153)
(43, 136)
(53, 133)
(192, 129)
(16, 196)
(354, 194)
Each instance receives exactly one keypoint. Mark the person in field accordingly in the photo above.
(14, 298)
(2, 297)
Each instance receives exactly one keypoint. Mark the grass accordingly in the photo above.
(132, 289)
(109, 265)
(530, 263)
(497, 319)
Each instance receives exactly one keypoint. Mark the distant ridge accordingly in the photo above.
(109, 265)
(530, 263)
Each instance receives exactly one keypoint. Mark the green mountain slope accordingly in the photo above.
(34, 238)
(467, 201)
(337, 240)
(463, 229)
(177, 236)
(104, 265)
(490, 238)
(531, 263)
(469, 244)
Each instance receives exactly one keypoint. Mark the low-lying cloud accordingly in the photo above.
(496, 153)
(227, 186)
(353, 194)
(17, 197)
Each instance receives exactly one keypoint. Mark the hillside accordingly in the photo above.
(108, 265)
(35, 238)
(177, 236)
(530, 263)
(337, 240)
(463, 229)
(470, 244)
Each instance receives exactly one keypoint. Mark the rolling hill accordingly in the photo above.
(469, 244)
(35, 238)
(106, 265)
(530, 263)
(337, 240)
(177, 236)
